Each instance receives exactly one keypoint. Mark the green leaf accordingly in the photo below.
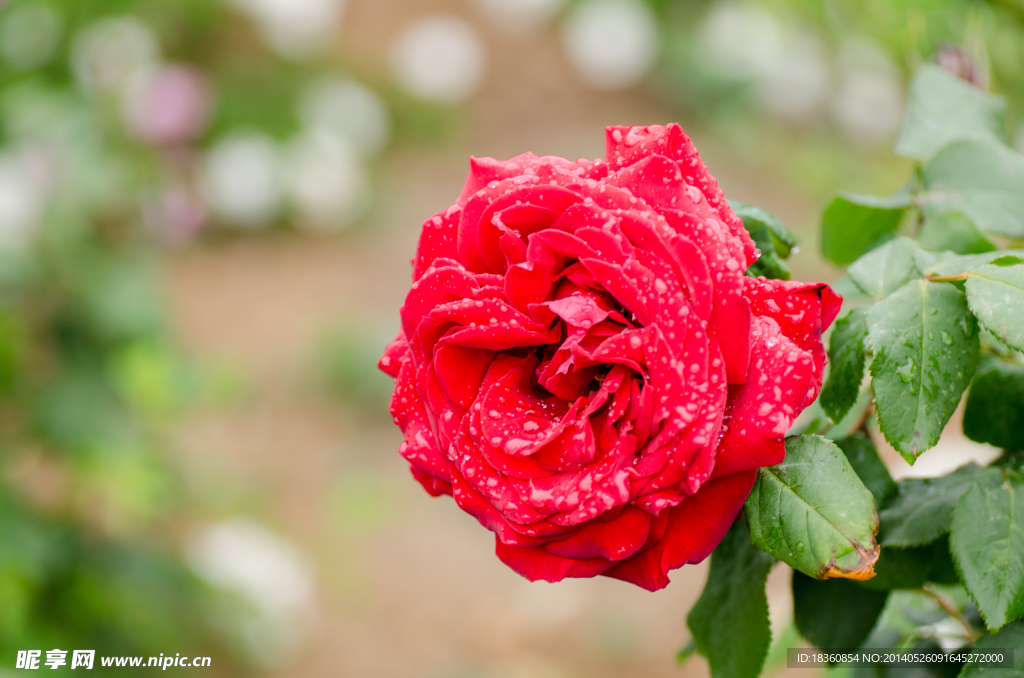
(771, 267)
(884, 270)
(921, 510)
(1011, 460)
(846, 360)
(772, 238)
(814, 513)
(852, 224)
(947, 264)
(944, 108)
(835, 613)
(729, 621)
(686, 652)
(863, 457)
(996, 295)
(987, 541)
(777, 655)
(926, 348)
(955, 232)
(995, 406)
(912, 568)
(845, 288)
(853, 420)
(782, 241)
(981, 179)
(1010, 636)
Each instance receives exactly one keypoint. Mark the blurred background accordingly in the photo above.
(207, 211)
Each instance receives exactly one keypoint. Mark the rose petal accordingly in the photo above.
(460, 372)
(419, 447)
(437, 286)
(515, 419)
(391, 362)
(761, 411)
(694, 529)
(437, 240)
(803, 312)
(524, 211)
(613, 540)
(433, 486)
(536, 564)
(628, 145)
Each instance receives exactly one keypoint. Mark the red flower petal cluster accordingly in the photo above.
(584, 366)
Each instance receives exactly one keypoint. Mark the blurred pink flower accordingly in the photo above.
(167, 106)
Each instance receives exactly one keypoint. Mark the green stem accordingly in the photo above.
(950, 607)
(948, 278)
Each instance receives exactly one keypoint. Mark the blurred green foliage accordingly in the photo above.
(989, 34)
(89, 377)
(346, 364)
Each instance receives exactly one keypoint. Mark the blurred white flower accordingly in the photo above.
(249, 560)
(869, 103)
(745, 40)
(106, 53)
(21, 202)
(325, 180)
(869, 106)
(439, 58)
(787, 65)
(242, 180)
(166, 105)
(29, 35)
(296, 29)
(519, 17)
(611, 43)
(799, 86)
(348, 109)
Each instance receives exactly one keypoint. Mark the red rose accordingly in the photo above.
(584, 366)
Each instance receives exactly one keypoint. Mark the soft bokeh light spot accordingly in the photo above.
(612, 44)
(168, 105)
(786, 65)
(349, 110)
(297, 29)
(869, 102)
(21, 203)
(242, 180)
(518, 17)
(247, 559)
(439, 58)
(325, 180)
(105, 54)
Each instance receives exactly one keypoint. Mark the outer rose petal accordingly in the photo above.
(627, 145)
(391, 362)
(761, 411)
(419, 447)
(613, 540)
(694, 529)
(435, 487)
(536, 564)
(437, 240)
(802, 310)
